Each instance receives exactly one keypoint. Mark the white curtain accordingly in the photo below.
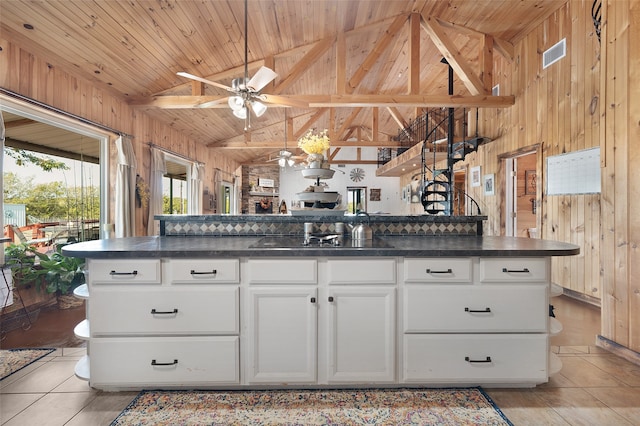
(2, 182)
(158, 170)
(125, 188)
(195, 189)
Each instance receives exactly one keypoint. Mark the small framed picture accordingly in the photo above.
(489, 184)
(475, 176)
(374, 194)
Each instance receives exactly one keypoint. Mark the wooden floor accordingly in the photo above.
(593, 387)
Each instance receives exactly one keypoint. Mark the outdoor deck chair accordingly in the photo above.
(23, 238)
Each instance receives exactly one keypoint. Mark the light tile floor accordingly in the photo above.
(594, 387)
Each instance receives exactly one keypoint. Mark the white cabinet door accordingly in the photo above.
(282, 335)
(361, 334)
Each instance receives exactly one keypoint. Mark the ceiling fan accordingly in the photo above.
(246, 91)
(285, 157)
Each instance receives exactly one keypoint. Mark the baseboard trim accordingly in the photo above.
(618, 349)
(581, 297)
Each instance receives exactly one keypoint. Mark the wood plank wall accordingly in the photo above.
(620, 190)
(556, 110)
(36, 78)
(588, 99)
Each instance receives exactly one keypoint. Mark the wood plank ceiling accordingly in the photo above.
(360, 68)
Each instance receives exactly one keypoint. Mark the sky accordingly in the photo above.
(71, 177)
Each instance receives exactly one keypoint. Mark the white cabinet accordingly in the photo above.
(155, 323)
(475, 358)
(346, 335)
(475, 321)
(326, 321)
(124, 271)
(282, 335)
(164, 361)
(361, 334)
(486, 308)
(165, 310)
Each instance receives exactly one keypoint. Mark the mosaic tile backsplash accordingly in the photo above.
(280, 225)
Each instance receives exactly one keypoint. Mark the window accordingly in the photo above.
(174, 187)
(84, 145)
(356, 199)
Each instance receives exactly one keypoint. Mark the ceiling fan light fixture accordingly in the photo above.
(258, 108)
(282, 161)
(236, 103)
(240, 112)
(291, 162)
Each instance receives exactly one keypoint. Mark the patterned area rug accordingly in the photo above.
(13, 360)
(468, 406)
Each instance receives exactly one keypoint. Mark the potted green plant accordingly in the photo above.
(21, 260)
(63, 274)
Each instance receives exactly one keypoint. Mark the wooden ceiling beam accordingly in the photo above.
(320, 48)
(347, 122)
(414, 55)
(486, 61)
(503, 47)
(280, 144)
(446, 101)
(341, 64)
(506, 49)
(337, 101)
(307, 125)
(373, 56)
(449, 50)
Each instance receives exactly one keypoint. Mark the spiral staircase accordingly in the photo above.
(438, 192)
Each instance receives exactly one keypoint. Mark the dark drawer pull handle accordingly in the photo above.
(488, 359)
(519, 271)
(204, 273)
(330, 298)
(478, 311)
(154, 362)
(431, 271)
(313, 300)
(134, 273)
(154, 312)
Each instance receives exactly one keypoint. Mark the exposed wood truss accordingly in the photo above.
(478, 83)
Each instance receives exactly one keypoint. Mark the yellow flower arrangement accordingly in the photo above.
(311, 143)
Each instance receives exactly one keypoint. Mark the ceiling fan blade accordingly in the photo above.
(261, 78)
(204, 80)
(283, 100)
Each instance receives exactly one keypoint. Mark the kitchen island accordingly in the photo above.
(261, 311)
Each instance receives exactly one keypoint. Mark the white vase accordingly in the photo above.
(315, 161)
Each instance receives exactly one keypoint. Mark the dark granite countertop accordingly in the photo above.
(413, 246)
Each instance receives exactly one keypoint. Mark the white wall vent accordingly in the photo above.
(554, 53)
(495, 90)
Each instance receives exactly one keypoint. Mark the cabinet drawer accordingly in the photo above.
(124, 271)
(162, 311)
(282, 271)
(356, 271)
(475, 358)
(501, 269)
(122, 362)
(438, 270)
(477, 308)
(204, 271)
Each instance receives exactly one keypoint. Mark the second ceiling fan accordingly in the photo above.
(246, 91)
